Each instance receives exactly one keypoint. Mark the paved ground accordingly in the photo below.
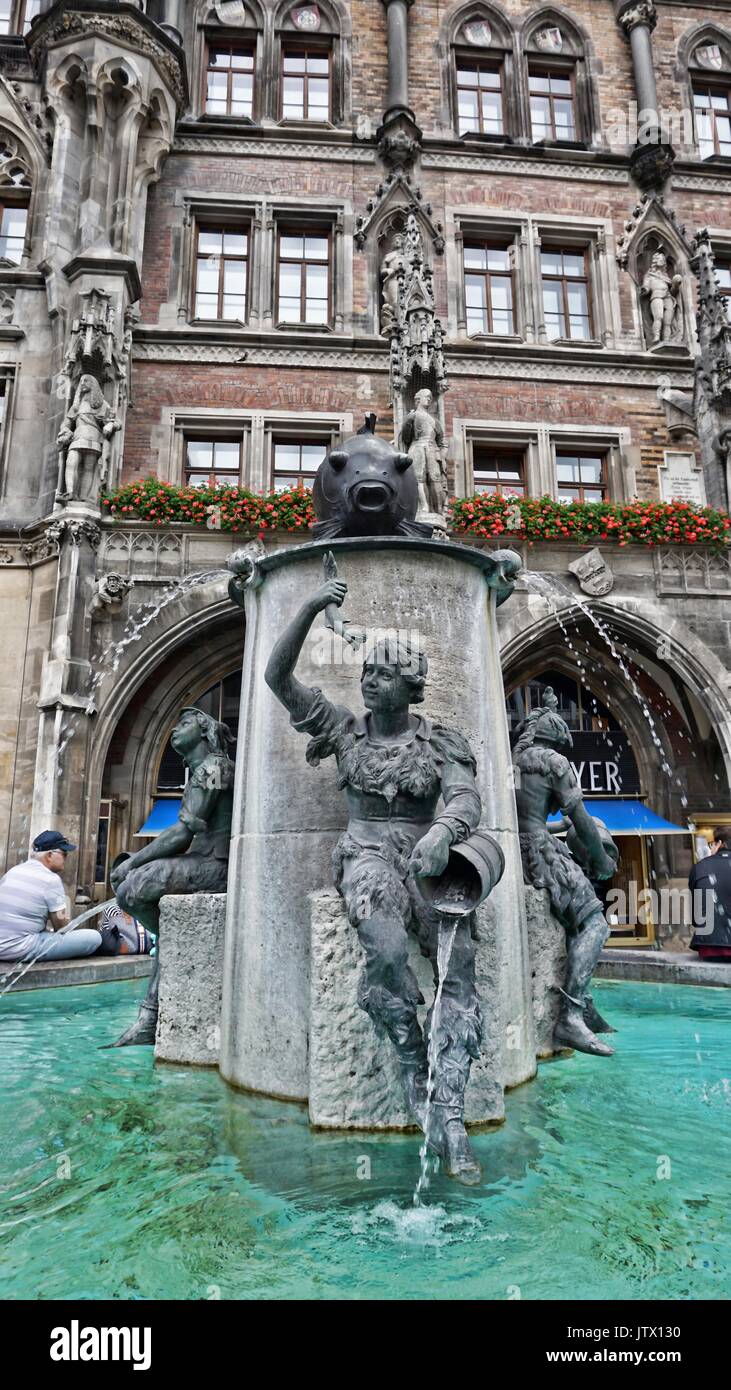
(661, 967)
(95, 971)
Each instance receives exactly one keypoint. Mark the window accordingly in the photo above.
(579, 706)
(488, 288)
(581, 477)
(221, 265)
(16, 15)
(499, 471)
(306, 84)
(229, 80)
(209, 462)
(723, 276)
(551, 104)
(479, 97)
(303, 277)
(13, 222)
(295, 463)
(712, 120)
(565, 287)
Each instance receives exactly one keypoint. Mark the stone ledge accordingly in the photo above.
(94, 970)
(661, 967)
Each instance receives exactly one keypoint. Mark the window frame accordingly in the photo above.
(497, 451)
(16, 198)
(489, 243)
(551, 248)
(478, 58)
(298, 439)
(17, 22)
(720, 85)
(243, 227)
(212, 40)
(284, 227)
(216, 436)
(579, 452)
(549, 69)
(307, 48)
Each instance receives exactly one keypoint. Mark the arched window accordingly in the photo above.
(15, 190)
(310, 63)
(558, 92)
(483, 96)
(708, 57)
(230, 62)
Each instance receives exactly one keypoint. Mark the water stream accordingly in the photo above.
(444, 952)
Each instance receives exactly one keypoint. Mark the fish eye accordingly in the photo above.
(338, 460)
(403, 461)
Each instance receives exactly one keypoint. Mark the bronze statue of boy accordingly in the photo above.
(394, 766)
(545, 782)
(191, 856)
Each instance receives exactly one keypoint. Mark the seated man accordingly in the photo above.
(31, 895)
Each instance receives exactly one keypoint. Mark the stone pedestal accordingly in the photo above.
(547, 947)
(191, 971)
(288, 815)
(354, 1080)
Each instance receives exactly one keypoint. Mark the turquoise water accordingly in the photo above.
(118, 1179)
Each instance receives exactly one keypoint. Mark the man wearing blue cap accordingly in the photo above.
(31, 897)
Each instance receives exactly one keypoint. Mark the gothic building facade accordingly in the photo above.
(229, 230)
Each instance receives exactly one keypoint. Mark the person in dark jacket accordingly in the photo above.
(710, 886)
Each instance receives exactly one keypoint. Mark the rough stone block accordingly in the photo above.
(354, 1080)
(547, 947)
(191, 974)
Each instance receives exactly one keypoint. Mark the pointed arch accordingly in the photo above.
(553, 41)
(704, 69)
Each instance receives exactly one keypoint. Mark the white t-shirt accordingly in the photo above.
(28, 893)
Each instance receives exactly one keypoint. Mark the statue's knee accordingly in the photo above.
(125, 896)
(385, 943)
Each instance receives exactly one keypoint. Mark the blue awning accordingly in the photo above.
(622, 815)
(163, 814)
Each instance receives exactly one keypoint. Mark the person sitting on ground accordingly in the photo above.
(710, 886)
(31, 898)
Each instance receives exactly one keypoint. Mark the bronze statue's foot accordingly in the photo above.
(448, 1139)
(571, 1031)
(142, 1031)
(594, 1020)
(414, 1081)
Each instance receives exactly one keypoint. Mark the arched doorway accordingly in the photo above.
(646, 755)
(140, 768)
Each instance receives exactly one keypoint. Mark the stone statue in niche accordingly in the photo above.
(661, 294)
(545, 782)
(392, 270)
(394, 766)
(83, 442)
(191, 856)
(422, 438)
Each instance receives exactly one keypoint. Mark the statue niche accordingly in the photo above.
(661, 298)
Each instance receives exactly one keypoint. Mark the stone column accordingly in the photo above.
(288, 816)
(399, 136)
(651, 159)
(398, 54)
